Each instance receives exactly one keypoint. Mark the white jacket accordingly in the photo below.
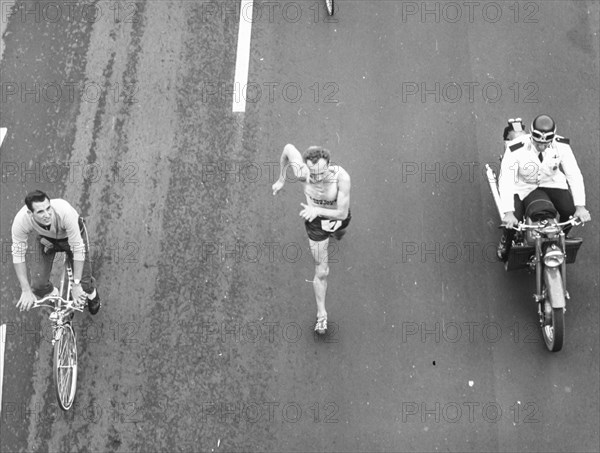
(522, 171)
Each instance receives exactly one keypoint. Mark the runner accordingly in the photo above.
(326, 212)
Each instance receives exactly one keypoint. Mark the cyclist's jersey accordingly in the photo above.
(65, 225)
(324, 193)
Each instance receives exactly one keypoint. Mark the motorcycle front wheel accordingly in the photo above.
(329, 4)
(553, 329)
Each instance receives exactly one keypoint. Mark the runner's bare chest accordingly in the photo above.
(322, 194)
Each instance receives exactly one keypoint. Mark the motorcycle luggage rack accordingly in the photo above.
(520, 256)
(572, 245)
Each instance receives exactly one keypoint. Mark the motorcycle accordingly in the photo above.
(540, 246)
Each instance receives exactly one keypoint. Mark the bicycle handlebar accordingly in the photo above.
(67, 304)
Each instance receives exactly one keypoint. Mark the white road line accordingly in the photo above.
(3, 132)
(242, 61)
(2, 342)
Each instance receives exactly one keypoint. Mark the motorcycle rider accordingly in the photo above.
(538, 160)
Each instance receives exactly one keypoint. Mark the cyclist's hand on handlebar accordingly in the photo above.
(78, 293)
(509, 220)
(583, 214)
(26, 300)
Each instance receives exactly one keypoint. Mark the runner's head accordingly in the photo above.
(317, 161)
(314, 153)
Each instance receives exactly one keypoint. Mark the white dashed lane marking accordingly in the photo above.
(2, 343)
(3, 132)
(242, 61)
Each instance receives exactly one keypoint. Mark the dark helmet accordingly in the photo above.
(543, 129)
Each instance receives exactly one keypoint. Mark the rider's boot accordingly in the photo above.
(94, 303)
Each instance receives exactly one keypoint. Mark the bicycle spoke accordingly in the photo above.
(66, 368)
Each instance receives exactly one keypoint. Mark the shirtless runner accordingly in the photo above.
(326, 212)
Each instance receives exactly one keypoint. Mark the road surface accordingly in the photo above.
(204, 341)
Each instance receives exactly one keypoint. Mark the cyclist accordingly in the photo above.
(58, 228)
(326, 212)
(538, 160)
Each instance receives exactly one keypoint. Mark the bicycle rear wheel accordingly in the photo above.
(329, 4)
(65, 367)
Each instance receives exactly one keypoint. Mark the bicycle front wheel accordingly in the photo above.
(65, 367)
(329, 4)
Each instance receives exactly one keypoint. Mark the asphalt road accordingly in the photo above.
(204, 341)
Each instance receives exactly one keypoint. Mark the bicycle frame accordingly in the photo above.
(62, 305)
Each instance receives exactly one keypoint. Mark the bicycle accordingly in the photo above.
(329, 5)
(63, 337)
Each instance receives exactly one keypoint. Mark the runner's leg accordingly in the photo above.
(319, 252)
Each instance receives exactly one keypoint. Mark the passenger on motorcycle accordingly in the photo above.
(538, 160)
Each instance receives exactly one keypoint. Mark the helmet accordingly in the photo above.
(543, 129)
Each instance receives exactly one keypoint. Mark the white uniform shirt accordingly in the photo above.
(65, 224)
(522, 171)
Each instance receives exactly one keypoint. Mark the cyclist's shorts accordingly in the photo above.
(321, 228)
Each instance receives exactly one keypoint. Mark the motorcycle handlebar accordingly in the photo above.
(574, 221)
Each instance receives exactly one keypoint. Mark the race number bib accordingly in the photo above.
(330, 225)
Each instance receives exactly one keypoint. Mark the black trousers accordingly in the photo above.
(562, 201)
(42, 261)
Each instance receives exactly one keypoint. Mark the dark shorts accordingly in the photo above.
(316, 232)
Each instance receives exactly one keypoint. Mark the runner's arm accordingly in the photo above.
(291, 157)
